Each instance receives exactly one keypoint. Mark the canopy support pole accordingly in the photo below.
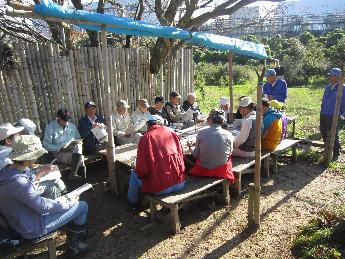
(329, 145)
(230, 119)
(108, 118)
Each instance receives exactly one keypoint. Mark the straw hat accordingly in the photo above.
(26, 147)
(8, 129)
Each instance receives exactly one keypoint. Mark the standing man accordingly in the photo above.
(160, 166)
(62, 139)
(90, 121)
(274, 88)
(327, 109)
(213, 148)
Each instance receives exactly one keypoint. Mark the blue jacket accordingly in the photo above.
(278, 90)
(269, 117)
(22, 207)
(86, 134)
(328, 101)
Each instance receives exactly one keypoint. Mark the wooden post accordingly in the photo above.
(329, 150)
(108, 117)
(231, 89)
(257, 188)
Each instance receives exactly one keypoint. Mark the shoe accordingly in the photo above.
(74, 177)
(75, 236)
(133, 206)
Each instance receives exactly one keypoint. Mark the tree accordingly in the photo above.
(182, 14)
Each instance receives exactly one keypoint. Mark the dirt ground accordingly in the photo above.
(210, 230)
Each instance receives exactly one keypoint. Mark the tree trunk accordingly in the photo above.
(160, 52)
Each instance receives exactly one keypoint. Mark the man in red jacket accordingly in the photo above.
(160, 166)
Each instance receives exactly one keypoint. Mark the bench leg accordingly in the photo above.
(238, 184)
(153, 210)
(226, 193)
(294, 153)
(267, 167)
(52, 249)
(175, 220)
(275, 163)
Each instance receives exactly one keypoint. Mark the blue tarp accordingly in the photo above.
(127, 26)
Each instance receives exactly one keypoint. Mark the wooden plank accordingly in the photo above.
(285, 144)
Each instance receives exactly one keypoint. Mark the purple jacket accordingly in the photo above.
(22, 207)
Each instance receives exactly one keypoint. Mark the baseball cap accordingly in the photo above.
(175, 94)
(156, 118)
(245, 101)
(159, 99)
(335, 72)
(270, 72)
(122, 103)
(223, 100)
(143, 103)
(89, 104)
(63, 114)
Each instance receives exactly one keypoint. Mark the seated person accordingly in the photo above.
(191, 103)
(244, 142)
(52, 188)
(224, 105)
(173, 109)
(213, 148)
(280, 107)
(140, 117)
(160, 166)
(122, 125)
(62, 140)
(272, 127)
(157, 108)
(90, 143)
(274, 88)
(29, 214)
(28, 125)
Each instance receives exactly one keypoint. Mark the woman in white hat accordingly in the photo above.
(31, 215)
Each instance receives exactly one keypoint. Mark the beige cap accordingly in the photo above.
(143, 103)
(122, 103)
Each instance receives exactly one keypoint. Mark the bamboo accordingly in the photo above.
(15, 105)
(111, 70)
(77, 53)
(61, 93)
(113, 78)
(20, 92)
(85, 74)
(231, 88)
(108, 118)
(71, 87)
(128, 83)
(101, 75)
(78, 105)
(330, 145)
(7, 104)
(55, 87)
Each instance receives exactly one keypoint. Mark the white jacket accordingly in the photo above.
(121, 123)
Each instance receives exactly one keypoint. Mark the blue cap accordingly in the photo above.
(335, 72)
(89, 104)
(270, 72)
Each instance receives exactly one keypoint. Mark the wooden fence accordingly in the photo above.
(47, 81)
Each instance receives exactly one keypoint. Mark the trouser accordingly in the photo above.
(77, 214)
(72, 157)
(135, 183)
(325, 129)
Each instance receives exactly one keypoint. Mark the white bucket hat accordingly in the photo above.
(26, 147)
(156, 118)
(245, 101)
(8, 129)
(28, 124)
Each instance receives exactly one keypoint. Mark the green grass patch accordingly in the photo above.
(322, 237)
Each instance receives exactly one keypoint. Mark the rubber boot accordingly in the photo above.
(81, 230)
(74, 167)
(74, 242)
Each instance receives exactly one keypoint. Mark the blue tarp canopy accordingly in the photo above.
(127, 26)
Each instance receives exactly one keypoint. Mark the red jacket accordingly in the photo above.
(160, 163)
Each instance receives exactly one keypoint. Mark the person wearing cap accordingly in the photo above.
(275, 88)
(327, 109)
(272, 127)
(157, 108)
(140, 117)
(159, 166)
(244, 142)
(191, 103)
(280, 107)
(29, 214)
(86, 124)
(28, 125)
(122, 122)
(224, 106)
(62, 140)
(213, 148)
(173, 108)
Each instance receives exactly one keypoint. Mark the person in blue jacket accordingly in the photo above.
(89, 121)
(275, 88)
(327, 109)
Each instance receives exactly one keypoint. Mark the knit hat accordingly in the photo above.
(26, 147)
(8, 129)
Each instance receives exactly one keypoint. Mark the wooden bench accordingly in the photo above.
(28, 246)
(284, 145)
(195, 188)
